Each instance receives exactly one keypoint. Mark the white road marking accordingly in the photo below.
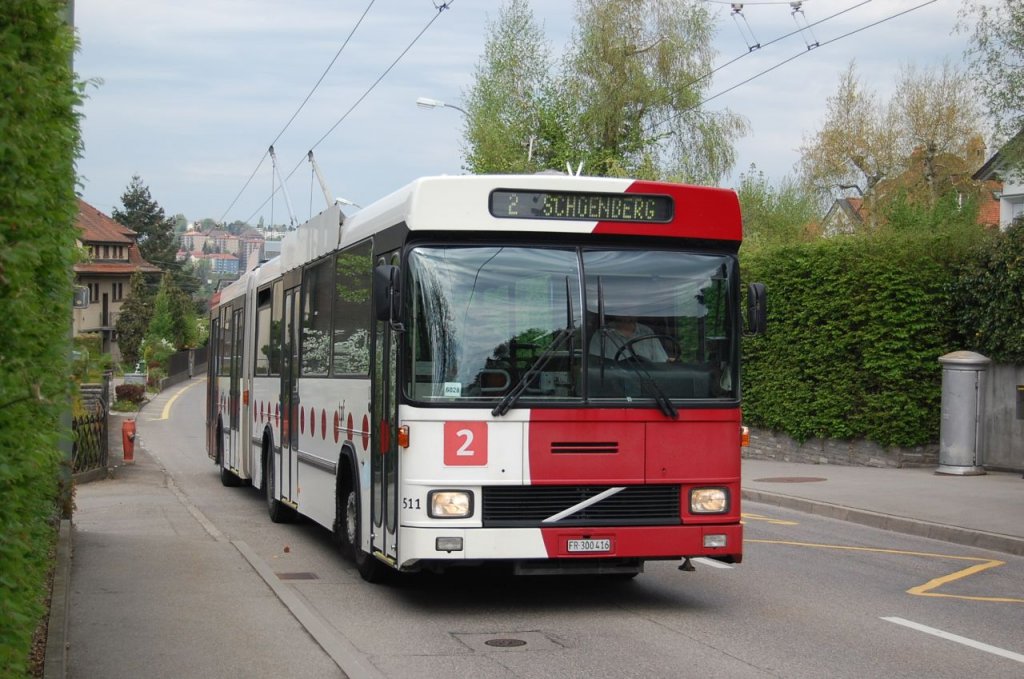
(995, 650)
(710, 562)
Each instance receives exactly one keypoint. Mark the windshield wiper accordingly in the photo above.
(541, 361)
(648, 384)
(538, 366)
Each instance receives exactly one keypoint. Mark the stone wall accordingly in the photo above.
(767, 445)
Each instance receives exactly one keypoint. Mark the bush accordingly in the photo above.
(856, 327)
(131, 393)
(987, 297)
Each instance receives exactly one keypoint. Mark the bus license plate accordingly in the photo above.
(600, 545)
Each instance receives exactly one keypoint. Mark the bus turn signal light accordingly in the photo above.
(745, 437)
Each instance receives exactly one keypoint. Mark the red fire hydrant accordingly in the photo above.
(128, 440)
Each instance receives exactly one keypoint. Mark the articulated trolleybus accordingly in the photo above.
(540, 371)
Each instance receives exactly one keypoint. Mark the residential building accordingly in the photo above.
(113, 256)
(1005, 184)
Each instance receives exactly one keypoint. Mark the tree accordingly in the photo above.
(635, 79)
(505, 101)
(865, 144)
(775, 215)
(157, 241)
(173, 320)
(997, 55)
(133, 321)
(625, 100)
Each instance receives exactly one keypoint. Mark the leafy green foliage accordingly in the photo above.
(624, 100)
(39, 140)
(133, 322)
(775, 215)
(856, 327)
(504, 100)
(987, 297)
(173, 318)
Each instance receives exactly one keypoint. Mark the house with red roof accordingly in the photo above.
(113, 256)
(1005, 185)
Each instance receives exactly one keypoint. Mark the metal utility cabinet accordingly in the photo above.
(963, 407)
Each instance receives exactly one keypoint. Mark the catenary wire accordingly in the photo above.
(299, 109)
(440, 8)
(787, 60)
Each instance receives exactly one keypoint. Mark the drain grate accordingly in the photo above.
(505, 643)
(297, 576)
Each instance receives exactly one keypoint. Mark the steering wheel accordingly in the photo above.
(628, 345)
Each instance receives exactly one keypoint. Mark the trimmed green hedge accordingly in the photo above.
(856, 327)
(987, 298)
(39, 140)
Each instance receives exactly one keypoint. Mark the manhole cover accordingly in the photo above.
(505, 643)
(791, 479)
(297, 576)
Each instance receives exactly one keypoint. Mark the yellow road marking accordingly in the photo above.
(927, 588)
(166, 414)
(768, 519)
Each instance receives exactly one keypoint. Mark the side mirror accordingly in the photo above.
(387, 293)
(757, 308)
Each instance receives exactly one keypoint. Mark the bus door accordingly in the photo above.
(384, 466)
(234, 441)
(287, 472)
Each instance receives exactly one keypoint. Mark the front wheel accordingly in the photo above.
(369, 567)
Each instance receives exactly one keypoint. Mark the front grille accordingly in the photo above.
(588, 447)
(528, 506)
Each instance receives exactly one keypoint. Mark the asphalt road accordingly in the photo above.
(814, 597)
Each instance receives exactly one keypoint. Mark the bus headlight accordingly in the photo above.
(450, 504)
(709, 500)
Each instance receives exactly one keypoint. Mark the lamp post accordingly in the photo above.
(425, 102)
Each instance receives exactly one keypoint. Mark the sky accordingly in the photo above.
(189, 94)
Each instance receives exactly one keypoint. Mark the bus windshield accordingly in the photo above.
(568, 325)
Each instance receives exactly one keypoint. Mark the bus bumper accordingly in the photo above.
(722, 542)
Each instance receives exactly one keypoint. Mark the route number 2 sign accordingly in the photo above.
(465, 444)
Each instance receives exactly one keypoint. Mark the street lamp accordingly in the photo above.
(424, 102)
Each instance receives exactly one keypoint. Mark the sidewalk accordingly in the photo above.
(155, 589)
(985, 511)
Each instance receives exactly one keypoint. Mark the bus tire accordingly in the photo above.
(370, 569)
(277, 510)
(229, 478)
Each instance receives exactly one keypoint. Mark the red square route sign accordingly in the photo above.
(465, 444)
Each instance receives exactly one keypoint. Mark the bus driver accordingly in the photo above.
(618, 332)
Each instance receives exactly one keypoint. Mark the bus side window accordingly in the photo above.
(351, 331)
(262, 366)
(317, 292)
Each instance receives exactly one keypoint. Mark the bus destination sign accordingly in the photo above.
(576, 205)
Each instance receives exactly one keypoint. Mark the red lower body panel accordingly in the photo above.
(646, 542)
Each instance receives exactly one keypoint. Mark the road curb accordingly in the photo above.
(898, 524)
(55, 660)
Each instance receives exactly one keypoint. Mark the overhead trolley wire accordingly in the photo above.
(299, 109)
(774, 40)
(789, 59)
(440, 8)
